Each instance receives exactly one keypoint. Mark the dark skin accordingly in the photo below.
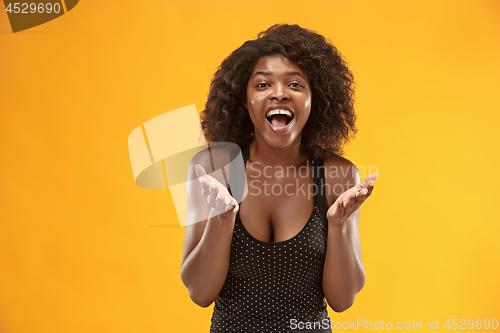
(279, 83)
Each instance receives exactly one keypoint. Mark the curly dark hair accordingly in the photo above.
(331, 123)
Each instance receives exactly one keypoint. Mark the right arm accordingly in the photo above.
(207, 244)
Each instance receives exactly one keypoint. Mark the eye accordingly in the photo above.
(262, 85)
(296, 85)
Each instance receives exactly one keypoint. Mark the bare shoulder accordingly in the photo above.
(212, 159)
(340, 175)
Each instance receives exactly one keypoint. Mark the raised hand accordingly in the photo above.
(215, 193)
(349, 201)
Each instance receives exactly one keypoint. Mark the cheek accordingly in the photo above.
(307, 105)
(254, 104)
(250, 105)
(305, 118)
(307, 102)
(255, 99)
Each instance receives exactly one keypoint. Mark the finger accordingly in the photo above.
(371, 178)
(213, 192)
(202, 177)
(223, 199)
(369, 189)
(205, 185)
(369, 183)
(340, 205)
(348, 199)
(225, 203)
(226, 199)
(231, 206)
(209, 181)
(353, 203)
(353, 191)
(362, 194)
(220, 202)
(199, 170)
(357, 188)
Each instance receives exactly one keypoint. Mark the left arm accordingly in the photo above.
(344, 274)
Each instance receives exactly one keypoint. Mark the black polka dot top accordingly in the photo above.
(271, 286)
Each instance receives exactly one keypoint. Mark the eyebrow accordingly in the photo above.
(269, 73)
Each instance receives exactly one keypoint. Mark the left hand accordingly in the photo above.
(349, 201)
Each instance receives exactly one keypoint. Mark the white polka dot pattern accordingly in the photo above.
(270, 283)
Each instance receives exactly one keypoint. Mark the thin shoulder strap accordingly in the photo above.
(320, 203)
(211, 159)
(244, 152)
(238, 180)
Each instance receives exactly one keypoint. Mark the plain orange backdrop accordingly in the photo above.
(84, 249)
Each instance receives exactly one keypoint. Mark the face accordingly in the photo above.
(278, 101)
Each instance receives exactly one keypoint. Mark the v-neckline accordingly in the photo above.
(245, 154)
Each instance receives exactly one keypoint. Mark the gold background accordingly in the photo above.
(83, 249)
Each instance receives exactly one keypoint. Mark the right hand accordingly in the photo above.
(215, 193)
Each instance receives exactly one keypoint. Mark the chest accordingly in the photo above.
(277, 208)
(300, 257)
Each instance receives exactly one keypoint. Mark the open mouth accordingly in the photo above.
(279, 117)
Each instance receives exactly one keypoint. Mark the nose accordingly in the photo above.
(279, 92)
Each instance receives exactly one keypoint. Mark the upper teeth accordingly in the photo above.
(273, 112)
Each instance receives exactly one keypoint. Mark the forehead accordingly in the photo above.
(276, 63)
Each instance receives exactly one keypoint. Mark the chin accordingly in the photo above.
(280, 142)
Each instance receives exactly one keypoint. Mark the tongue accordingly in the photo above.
(279, 120)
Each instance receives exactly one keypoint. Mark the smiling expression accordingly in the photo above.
(278, 100)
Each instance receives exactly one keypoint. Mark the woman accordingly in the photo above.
(270, 261)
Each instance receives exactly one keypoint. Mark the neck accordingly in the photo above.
(293, 155)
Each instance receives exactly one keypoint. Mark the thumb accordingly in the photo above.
(199, 170)
(340, 203)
